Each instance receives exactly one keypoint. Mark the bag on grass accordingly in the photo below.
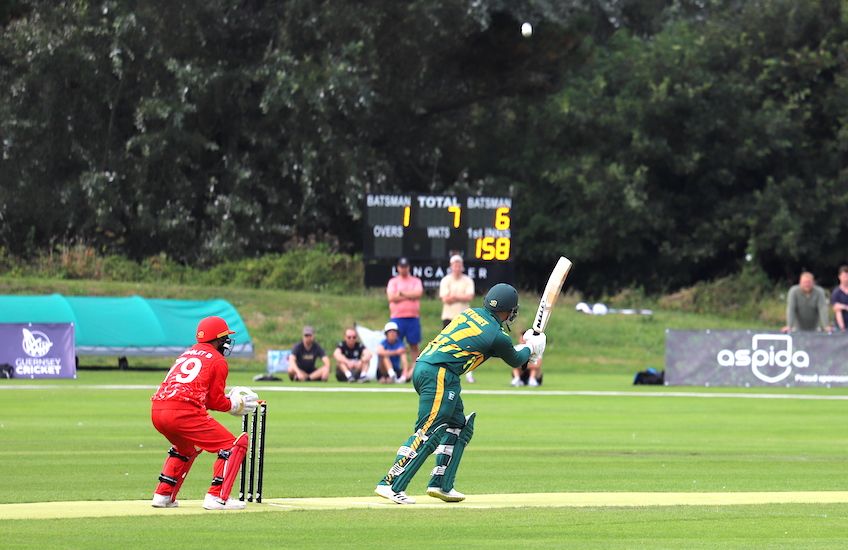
(649, 376)
(7, 371)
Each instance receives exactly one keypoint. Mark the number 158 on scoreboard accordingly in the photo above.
(492, 248)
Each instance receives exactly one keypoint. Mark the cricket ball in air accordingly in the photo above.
(526, 29)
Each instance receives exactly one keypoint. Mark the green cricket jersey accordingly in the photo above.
(472, 337)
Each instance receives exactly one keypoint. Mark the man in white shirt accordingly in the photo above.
(456, 291)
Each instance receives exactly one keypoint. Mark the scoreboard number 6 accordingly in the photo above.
(502, 218)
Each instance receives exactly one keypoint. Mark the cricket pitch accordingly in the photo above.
(94, 509)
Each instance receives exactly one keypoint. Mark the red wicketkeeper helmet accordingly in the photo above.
(212, 328)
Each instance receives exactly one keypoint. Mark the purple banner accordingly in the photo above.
(748, 358)
(38, 350)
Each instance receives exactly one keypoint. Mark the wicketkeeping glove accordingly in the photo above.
(242, 401)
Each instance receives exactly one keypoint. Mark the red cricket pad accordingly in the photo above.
(186, 466)
(232, 466)
(176, 467)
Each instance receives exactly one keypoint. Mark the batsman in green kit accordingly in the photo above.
(442, 426)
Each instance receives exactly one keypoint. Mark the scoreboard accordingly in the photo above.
(428, 229)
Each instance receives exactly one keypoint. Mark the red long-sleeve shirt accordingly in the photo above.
(197, 379)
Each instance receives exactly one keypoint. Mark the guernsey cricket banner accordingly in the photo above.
(38, 350)
(749, 358)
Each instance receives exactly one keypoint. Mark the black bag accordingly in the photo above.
(649, 376)
(7, 371)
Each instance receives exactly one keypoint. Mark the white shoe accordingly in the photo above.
(469, 377)
(401, 380)
(214, 503)
(451, 496)
(532, 382)
(163, 501)
(399, 497)
(517, 382)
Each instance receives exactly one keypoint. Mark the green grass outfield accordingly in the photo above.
(92, 441)
(616, 466)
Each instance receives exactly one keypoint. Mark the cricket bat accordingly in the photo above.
(550, 295)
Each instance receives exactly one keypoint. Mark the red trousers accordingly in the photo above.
(190, 429)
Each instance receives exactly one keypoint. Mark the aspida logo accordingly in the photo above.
(771, 357)
(35, 343)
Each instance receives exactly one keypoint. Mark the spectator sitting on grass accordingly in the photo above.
(304, 356)
(352, 358)
(392, 365)
(531, 376)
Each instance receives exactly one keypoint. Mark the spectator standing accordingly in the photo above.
(404, 293)
(806, 306)
(392, 365)
(456, 290)
(304, 358)
(839, 299)
(352, 358)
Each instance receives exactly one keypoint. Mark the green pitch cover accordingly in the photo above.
(126, 326)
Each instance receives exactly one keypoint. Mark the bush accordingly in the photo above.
(316, 269)
(118, 268)
(312, 269)
(163, 268)
(747, 295)
(77, 261)
(247, 273)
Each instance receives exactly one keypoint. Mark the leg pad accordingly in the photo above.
(228, 465)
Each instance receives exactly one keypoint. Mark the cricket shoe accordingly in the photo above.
(211, 502)
(517, 382)
(398, 497)
(532, 382)
(163, 501)
(451, 496)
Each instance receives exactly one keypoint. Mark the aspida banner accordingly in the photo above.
(38, 350)
(749, 358)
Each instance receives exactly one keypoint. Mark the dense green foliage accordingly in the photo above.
(315, 268)
(714, 139)
(655, 143)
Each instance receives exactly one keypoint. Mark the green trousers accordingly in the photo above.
(439, 409)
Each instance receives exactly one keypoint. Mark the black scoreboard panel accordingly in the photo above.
(428, 229)
(432, 227)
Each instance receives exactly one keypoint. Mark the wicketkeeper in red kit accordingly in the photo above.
(194, 386)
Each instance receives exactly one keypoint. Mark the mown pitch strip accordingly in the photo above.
(94, 509)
